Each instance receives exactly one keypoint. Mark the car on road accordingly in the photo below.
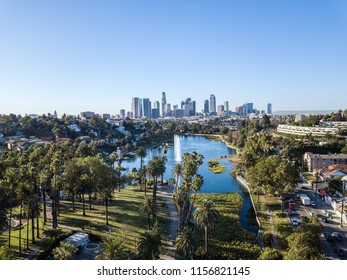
(325, 220)
(328, 237)
(294, 221)
(311, 213)
(337, 236)
(339, 251)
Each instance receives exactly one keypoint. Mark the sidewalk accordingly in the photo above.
(172, 233)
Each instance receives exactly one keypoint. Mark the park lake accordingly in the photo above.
(213, 183)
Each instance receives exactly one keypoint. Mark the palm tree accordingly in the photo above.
(147, 208)
(44, 178)
(112, 158)
(142, 153)
(11, 176)
(112, 249)
(143, 174)
(177, 173)
(206, 216)
(149, 245)
(65, 251)
(154, 169)
(197, 183)
(185, 243)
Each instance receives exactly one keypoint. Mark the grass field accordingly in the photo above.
(125, 220)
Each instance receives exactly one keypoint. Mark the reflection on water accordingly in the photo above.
(213, 183)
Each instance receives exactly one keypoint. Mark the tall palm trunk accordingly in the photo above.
(32, 224)
(37, 225)
(10, 227)
(206, 241)
(149, 220)
(83, 204)
(140, 175)
(58, 202)
(190, 209)
(20, 227)
(155, 197)
(90, 201)
(28, 219)
(73, 202)
(44, 206)
(106, 210)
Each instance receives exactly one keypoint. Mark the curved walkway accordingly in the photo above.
(172, 233)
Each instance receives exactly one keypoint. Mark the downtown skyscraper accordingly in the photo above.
(213, 107)
(163, 105)
(136, 107)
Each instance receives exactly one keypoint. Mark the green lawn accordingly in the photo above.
(125, 220)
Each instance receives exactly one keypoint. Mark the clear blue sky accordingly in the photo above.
(73, 56)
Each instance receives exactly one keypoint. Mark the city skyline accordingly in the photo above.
(69, 57)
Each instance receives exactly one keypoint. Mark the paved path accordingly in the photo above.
(172, 234)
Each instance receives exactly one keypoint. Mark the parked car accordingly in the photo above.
(313, 203)
(337, 236)
(328, 237)
(339, 251)
(295, 221)
(311, 213)
(325, 220)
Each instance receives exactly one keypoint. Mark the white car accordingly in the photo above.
(311, 213)
(294, 221)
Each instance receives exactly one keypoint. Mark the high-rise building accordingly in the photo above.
(163, 104)
(147, 108)
(155, 113)
(156, 105)
(206, 106)
(247, 109)
(122, 113)
(168, 110)
(189, 107)
(269, 108)
(213, 108)
(226, 108)
(136, 107)
(220, 110)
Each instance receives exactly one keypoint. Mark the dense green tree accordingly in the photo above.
(270, 254)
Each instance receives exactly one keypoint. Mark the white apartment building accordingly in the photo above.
(306, 130)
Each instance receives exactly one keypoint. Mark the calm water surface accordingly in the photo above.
(213, 183)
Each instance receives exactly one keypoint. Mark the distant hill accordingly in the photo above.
(304, 112)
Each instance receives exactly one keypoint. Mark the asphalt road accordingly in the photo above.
(333, 225)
